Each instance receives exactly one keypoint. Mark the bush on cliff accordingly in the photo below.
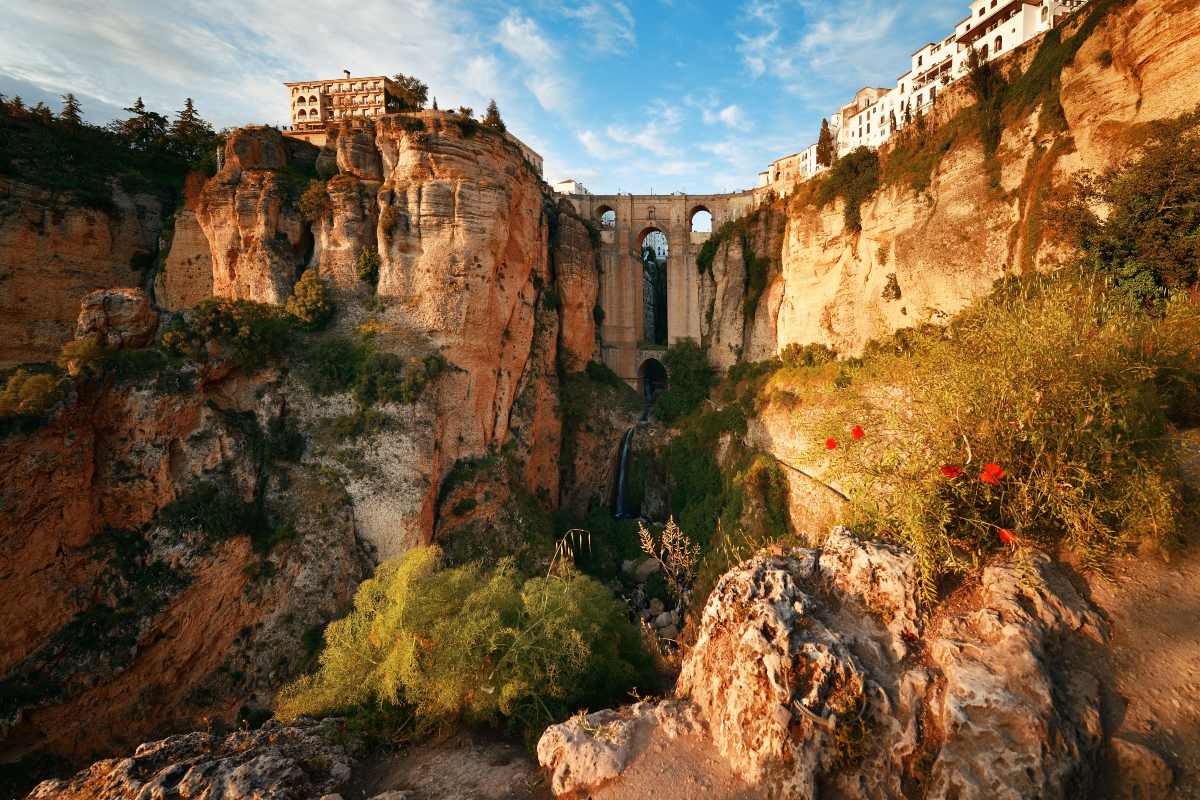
(853, 178)
(248, 332)
(691, 377)
(474, 645)
(311, 302)
(1040, 416)
(1147, 242)
(29, 394)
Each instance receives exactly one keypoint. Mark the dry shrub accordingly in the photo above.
(1065, 386)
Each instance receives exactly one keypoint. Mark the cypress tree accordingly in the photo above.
(825, 145)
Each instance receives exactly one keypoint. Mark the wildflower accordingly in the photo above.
(992, 474)
(1007, 536)
(856, 432)
(831, 443)
(950, 471)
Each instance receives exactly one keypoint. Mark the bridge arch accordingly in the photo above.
(606, 216)
(652, 379)
(700, 219)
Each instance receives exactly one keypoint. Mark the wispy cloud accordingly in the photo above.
(609, 26)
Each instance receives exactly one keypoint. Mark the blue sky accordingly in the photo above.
(669, 95)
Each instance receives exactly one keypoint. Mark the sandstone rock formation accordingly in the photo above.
(117, 318)
(54, 251)
(802, 679)
(133, 596)
(306, 760)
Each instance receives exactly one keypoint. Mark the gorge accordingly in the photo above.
(285, 376)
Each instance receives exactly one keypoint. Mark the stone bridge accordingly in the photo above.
(625, 222)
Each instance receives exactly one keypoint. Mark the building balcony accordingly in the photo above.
(981, 26)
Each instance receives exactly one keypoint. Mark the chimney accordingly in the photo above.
(346, 72)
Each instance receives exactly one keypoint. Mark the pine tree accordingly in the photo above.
(144, 130)
(435, 108)
(825, 145)
(43, 113)
(71, 109)
(17, 105)
(191, 135)
(492, 117)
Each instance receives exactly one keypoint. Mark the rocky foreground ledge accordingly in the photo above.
(814, 676)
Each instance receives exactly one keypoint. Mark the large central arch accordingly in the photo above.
(624, 220)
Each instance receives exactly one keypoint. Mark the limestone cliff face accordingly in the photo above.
(921, 257)
(123, 618)
(476, 264)
(578, 289)
(186, 277)
(256, 237)
(53, 252)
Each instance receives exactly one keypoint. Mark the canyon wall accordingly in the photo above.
(162, 560)
(54, 251)
(922, 256)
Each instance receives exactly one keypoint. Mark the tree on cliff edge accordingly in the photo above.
(71, 110)
(411, 93)
(191, 135)
(492, 117)
(144, 130)
(825, 145)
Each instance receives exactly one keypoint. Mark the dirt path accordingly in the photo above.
(1154, 607)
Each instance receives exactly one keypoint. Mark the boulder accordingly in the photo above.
(117, 318)
(303, 760)
(801, 677)
(1138, 772)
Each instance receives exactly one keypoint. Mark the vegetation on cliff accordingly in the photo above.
(473, 644)
(144, 152)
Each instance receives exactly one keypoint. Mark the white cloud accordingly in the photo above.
(521, 37)
(609, 25)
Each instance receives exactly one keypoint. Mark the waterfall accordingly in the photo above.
(619, 510)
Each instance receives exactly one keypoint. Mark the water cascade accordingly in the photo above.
(619, 510)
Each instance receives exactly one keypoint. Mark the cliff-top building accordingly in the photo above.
(316, 104)
(993, 28)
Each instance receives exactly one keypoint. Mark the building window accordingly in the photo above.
(1045, 13)
(920, 60)
(998, 44)
(981, 11)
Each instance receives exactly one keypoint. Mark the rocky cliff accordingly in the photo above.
(53, 251)
(177, 532)
(948, 218)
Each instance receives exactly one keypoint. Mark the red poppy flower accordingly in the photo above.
(950, 471)
(992, 473)
(857, 432)
(831, 443)
(1007, 536)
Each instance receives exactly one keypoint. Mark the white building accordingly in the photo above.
(994, 28)
(570, 186)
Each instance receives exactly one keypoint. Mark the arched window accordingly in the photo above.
(654, 254)
(998, 44)
(701, 220)
(607, 217)
(1045, 13)
(312, 98)
(983, 51)
(302, 113)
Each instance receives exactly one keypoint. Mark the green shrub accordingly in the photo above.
(807, 355)
(367, 266)
(314, 201)
(1062, 385)
(29, 394)
(311, 302)
(214, 509)
(388, 378)
(249, 332)
(1147, 242)
(332, 364)
(691, 377)
(474, 645)
(853, 178)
